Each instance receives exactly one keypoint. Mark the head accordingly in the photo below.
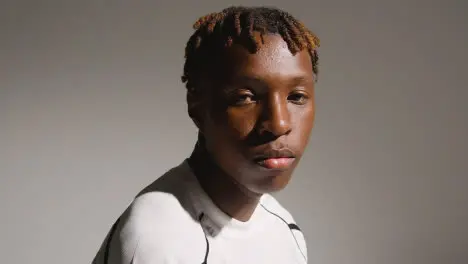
(250, 75)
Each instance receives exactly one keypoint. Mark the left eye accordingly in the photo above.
(298, 98)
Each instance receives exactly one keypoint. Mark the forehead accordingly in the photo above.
(272, 62)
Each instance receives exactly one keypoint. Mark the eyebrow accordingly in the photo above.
(246, 78)
(294, 81)
(299, 79)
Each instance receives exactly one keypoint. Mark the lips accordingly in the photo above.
(275, 159)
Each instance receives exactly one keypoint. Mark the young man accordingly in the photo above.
(250, 75)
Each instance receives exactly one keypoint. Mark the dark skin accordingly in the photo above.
(255, 106)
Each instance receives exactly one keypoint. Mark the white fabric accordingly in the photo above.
(161, 226)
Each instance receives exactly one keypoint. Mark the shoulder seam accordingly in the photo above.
(135, 249)
(291, 226)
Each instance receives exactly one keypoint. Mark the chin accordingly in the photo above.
(273, 183)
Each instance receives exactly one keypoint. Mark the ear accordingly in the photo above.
(195, 108)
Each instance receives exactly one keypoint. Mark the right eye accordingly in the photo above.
(241, 98)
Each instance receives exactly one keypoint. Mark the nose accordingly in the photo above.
(275, 117)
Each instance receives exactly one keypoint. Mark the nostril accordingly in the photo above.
(277, 129)
(261, 137)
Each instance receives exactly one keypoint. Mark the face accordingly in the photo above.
(257, 114)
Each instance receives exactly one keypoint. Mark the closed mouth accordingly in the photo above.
(275, 159)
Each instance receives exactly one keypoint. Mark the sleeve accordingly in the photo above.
(120, 243)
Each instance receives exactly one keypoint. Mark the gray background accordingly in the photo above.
(92, 109)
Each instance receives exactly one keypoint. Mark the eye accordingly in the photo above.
(299, 98)
(242, 98)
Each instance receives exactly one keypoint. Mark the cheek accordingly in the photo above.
(303, 121)
(240, 122)
(227, 128)
(235, 124)
(224, 135)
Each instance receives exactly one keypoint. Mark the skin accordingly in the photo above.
(251, 104)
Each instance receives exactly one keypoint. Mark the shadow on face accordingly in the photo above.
(259, 112)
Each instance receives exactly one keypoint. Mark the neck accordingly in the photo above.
(231, 197)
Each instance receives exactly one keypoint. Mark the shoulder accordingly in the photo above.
(155, 211)
(273, 206)
(160, 227)
(161, 220)
(155, 225)
(161, 205)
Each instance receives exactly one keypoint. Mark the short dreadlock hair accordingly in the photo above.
(237, 24)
